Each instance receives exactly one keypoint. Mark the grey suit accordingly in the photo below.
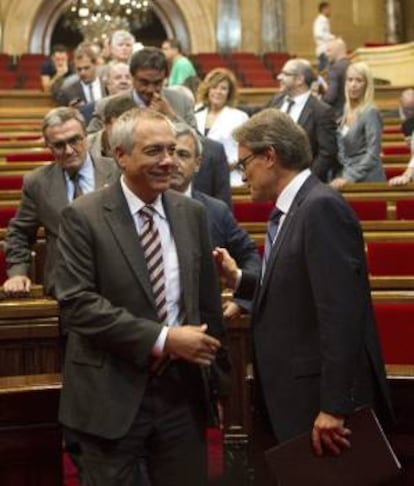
(74, 92)
(43, 198)
(360, 148)
(108, 309)
(179, 102)
(335, 94)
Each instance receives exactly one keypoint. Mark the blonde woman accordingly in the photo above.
(218, 118)
(360, 130)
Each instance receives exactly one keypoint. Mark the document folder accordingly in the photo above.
(369, 462)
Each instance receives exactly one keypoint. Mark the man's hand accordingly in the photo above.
(339, 182)
(329, 436)
(231, 310)
(17, 286)
(192, 344)
(402, 179)
(160, 104)
(226, 266)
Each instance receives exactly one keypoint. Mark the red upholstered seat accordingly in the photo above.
(395, 323)
(249, 211)
(215, 454)
(404, 209)
(390, 258)
(6, 214)
(391, 172)
(11, 182)
(29, 156)
(3, 274)
(392, 130)
(369, 210)
(398, 149)
(9, 138)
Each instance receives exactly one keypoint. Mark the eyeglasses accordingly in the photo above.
(244, 162)
(60, 146)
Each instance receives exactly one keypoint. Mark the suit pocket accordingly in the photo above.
(306, 367)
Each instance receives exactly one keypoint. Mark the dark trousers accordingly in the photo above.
(166, 443)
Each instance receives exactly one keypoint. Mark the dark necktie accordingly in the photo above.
(77, 190)
(151, 246)
(290, 102)
(91, 96)
(272, 227)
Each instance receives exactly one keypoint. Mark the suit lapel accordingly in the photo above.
(123, 228)
(306, 113)
(284, 233)
(174, 209)
(56, 188)
(102, 175)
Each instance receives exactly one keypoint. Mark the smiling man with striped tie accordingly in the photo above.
(140, 299)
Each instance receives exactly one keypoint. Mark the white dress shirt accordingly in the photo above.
(96, 90)
(321, 33)
(297, 107)
(86, 179)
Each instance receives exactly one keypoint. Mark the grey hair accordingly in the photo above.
(303, 67)
(182, 129)
(60, 115)
(272, 128)
(123, 132)
(121, 35)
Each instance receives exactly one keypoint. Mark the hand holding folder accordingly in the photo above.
(369, 462)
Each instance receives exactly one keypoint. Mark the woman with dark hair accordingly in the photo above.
(218, 118)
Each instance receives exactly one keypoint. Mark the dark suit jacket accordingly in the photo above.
(318, 121)
(73, 92)
(315, 341)
(108, 308)
(43, 198)
(335, 94)
(213, 177)
(225, 232)
(180, 103)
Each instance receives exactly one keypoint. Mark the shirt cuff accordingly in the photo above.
(159, 345)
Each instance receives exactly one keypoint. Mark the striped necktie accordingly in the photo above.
(151, 246)
(272, 227)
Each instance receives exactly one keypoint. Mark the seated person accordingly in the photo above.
(223, 228)
(55, 69)
(408, 175)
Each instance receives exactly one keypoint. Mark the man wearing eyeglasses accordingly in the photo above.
(140, 298)
(315, 116)
(46, 191)
(149, 68)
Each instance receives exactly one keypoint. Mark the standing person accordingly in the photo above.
(360, 130)
(122, 43)
(140, 300)
(218, 117)
(88, 88)
(334, 89)
(322, 33)
(223, 228)
(148, 69)
(315, 116)
(49, 189)
(317, 358)
(181, 67)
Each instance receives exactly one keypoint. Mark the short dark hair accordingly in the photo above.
(323, 5)
(148, 58)
(175, 44)
(85, 50)
(58, 48)
(115, 107)
(273, 128)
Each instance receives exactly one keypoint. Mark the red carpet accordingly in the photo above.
(215, 460)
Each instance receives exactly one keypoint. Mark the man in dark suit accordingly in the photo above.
(223, 228)
(334, 90)
(46, 191)
(317, 355)
(148, 68)
(89, 88)
(140, 300)
(316, 117)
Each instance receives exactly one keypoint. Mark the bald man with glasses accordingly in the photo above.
(46, 191)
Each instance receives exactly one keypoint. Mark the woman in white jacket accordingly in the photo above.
(218, 118)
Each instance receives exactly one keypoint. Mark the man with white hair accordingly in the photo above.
(122, 43)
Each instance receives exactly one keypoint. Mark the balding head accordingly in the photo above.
(336, 49)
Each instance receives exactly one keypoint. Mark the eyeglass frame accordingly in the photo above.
(60, 145)
(242, 164)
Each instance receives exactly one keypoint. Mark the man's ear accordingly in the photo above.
(198, 163)
(270, 157)
(120, 155)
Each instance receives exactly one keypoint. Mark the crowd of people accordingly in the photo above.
(134, 259)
